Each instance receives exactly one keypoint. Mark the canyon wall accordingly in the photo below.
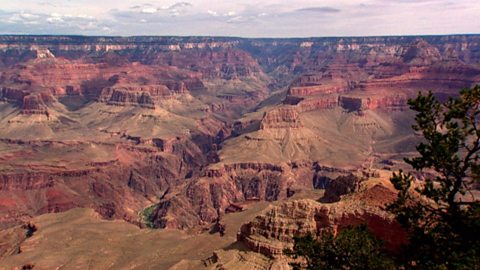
(167, 106)
(207, 198)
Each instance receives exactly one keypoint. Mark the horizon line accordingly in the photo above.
(239, 37)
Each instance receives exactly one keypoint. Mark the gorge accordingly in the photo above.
(268, 137)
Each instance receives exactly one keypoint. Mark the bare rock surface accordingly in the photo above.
(273, 231)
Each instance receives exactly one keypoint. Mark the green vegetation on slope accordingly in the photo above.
(146, 215)
(351, 248)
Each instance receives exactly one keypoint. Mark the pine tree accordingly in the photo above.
(442, 213)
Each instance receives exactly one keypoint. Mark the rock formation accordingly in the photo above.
(12, 95)
(124, 97)
(200, 202)
(37, 103)
(273, 231)
(285, 117)
(339, 186)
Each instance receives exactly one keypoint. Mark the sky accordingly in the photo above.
(242, 18)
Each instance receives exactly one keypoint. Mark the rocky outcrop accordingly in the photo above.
(370, 103)
(37, 104)
(240, 127)
(117, 188)
(421, 54)
(317, 84)
(225, 63)
(318, 103)
(348, 103)
(178, 87)
(273, 231)
(318, 89)
(284, 117)
(25, 181)
(12, 95)
(30, 103)
(42, 52)
(12, 238)
(389, 102)
(340, 186)
(124, 97)
(202, 201)
(82, 77)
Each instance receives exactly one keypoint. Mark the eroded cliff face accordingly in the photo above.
(285, 117)
(203, 200)
(358, 75)
(273, 231)
(118, 188)
(215, 58)
(124, 97)
(207, 198)
(37, 103)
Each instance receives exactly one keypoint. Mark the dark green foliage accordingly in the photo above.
(147, 216)
(353, 248)
(440, 213)
(30, 229)
(28, 266)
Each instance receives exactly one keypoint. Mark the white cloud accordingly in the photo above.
(84, 16)
(149, 10)
(241, 17)
(29, 16)
(54, 19)
(236, 19)
(213, 13)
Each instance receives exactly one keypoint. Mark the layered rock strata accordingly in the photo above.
(273, 231)
(201, 201)
(285, 117)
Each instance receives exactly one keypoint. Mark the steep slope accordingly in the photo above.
(273, 231)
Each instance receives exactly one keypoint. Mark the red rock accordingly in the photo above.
(202, 200)
(12, 95)
(318, 103)
(37, 103)
(371, 103)
(339, 186)
(284, 117)
(234, 207)
(273, 231)
(124, 97)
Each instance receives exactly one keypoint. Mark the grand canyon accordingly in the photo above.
(206, 152)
